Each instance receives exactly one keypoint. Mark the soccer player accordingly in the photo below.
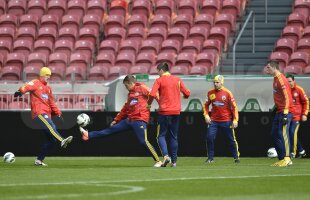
(284, 106)
(168, 88)
(134, 115)
(300, 112)
(42, 107)
(224, 116)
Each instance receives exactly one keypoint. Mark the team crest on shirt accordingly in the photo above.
(133, 102)
(212, 96)
(223, 98)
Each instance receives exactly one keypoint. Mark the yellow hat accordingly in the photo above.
(219, 78)
(45, 71)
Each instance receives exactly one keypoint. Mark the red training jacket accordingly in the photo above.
(41, 98)
(224, 107)
(136, 106)
(300, 101)
(282, 95)
(169, 87)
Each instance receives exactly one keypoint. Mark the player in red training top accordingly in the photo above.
(284, 106)
(224, 116)
(42, 107)
(300, 112)
(169, 88)
(133, 116)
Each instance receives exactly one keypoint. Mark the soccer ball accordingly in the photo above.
(82, 120)
(9, 157)
(272, 153)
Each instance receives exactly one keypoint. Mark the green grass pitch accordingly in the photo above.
(134, 178)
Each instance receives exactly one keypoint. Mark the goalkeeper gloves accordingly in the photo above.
(18, 94)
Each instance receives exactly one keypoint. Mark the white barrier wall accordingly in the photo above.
(242, 87)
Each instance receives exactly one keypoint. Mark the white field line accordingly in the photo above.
(149, 180)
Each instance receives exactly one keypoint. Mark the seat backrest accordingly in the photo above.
(37, 7)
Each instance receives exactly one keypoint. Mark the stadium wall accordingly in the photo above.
(21, 137)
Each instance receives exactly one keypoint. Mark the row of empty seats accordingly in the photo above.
(292, 49)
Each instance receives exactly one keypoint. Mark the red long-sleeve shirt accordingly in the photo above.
(41, 97)
(224, 107)
(300, 101)
(282, 94)
(136, 106)
(169, 87)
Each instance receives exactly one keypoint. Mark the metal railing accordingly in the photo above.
(239, 36)
(266, 11)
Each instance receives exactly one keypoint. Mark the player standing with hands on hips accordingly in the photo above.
(42, 107)
(168, 87)
(224, 116)
(300, 112)
(284, 107)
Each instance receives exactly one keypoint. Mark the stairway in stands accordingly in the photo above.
(266, 34)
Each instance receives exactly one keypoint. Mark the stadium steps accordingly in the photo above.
(266, 34)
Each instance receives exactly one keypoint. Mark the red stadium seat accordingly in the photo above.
(187, 7)
(232, 7)
(16, 59)
(89, 34)
(149, 46)
(18, 105)
(285, 45)
(157, 34)
(92, 21)
(70, 21)
(300, 59)
(191, 46)
(125, 60)
(109, 46)
(145, 59)
(50, 21)
(304, 45)
(31, 21)
(153, 70)
(204, 20)
(47, 34)
(5, 47)
(185, 60)
(64, 105)
(37, 60)
(22, 46)
(77, 8)
(137, 34)
(171, 46)
(293, 69)
(79, 60)
(227, 21)
(129, 46)
(76, 71)
(114, 21)
(139, 69)
(302, 6)
(220, 34)
(297, 19)
(291, 32)
(142, 7)
(17, 8)
(56, 7)
(105, 59)
(43, 46)
(281, 57)
(8, 21)
(211, 7)
(139, 21)
(178, 34)
(69, 34)
(11, 73)
(117, 71)
(162, 21)
(84, 47)
(208, 60)
(64, 46)
(199, 70)
(58, 63)
(31, 72)
(307, 70)
(212, 46)
(1, 60)
(184, 21)
(118, 7)
(37, 7)
(179, 70)
(165, 7)
(2, 7)
(198, 33)
(96, 7)
(26, 33)
(169, 58)
(98, 73)
(7, 34)
(306, 32)
(117, 34)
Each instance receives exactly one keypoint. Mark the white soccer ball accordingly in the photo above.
(82, 120)
(272, 153)
(9, 157)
